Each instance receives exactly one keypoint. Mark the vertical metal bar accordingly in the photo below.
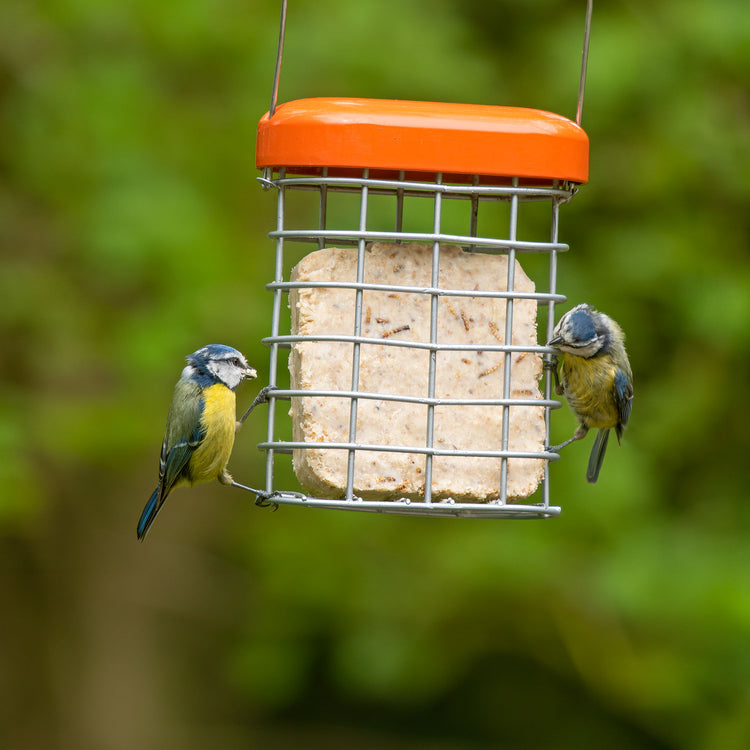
(555, 224)
(275, 321)
(400, 203)
(357, 333)
(508, 356)
(584, 60)
(474, 212)
(432, 374)
(279, 55)
(323, 208)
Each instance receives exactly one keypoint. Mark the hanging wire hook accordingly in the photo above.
(584, 59)
(279, 55)
(581, 83)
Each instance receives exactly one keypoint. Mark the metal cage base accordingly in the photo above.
(406, 507)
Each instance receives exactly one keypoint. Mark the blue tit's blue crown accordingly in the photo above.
(581, 324)
(213, 351)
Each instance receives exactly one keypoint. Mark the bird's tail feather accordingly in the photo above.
(597, 455)
(149, 513)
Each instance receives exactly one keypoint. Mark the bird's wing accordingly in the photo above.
(174, 459)
(623, 389)
(184, 434)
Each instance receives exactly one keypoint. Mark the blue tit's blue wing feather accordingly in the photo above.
(175, 459)
(184, 434)
(149, 513)
(623, 389)
(597, 455)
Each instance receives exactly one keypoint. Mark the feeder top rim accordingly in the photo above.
(307, 135)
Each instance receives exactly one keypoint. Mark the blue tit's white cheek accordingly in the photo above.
(228, 373)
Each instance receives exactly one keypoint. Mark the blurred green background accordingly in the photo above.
(133, 232)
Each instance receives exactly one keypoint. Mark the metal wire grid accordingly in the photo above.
(404, 189)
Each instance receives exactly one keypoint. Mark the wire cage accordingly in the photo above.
(410, 356)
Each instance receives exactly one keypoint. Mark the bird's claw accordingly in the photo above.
(261, 398)
(261, 497)
(551, 366)
(262, 500)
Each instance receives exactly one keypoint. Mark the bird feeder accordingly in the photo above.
(404, 324)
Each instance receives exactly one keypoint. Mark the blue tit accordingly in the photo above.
(595, 377)
(200, 426)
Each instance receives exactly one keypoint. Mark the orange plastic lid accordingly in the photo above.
(417, 137)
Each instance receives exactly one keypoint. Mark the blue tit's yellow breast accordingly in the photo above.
(589, 389)
(218, 420)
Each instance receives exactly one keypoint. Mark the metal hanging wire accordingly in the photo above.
(581, 80)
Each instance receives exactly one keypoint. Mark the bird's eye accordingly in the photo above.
(235, 361)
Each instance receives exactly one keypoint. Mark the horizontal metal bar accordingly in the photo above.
(285, 446)
(536, 197)
(421, 187)
(455, 239)
(406, 507)
(539, 296)
(287, 394)
(350, 339)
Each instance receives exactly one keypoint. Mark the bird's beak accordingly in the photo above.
(555, 341)
(250, 373)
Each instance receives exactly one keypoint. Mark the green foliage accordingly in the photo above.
(134, 232)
